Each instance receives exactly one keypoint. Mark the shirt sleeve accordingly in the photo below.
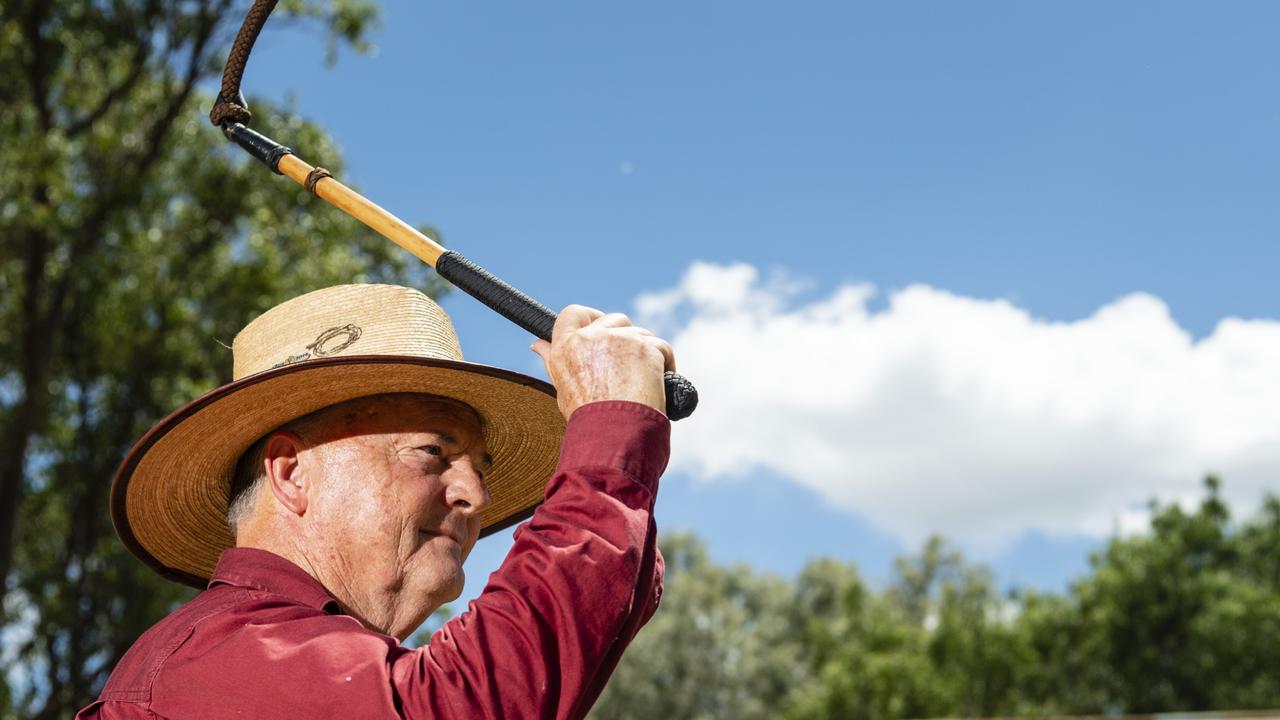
(582, 578)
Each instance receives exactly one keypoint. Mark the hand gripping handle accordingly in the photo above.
(682, 396)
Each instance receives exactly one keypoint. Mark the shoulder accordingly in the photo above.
(234, 643)
(267, 656)
(132, 677)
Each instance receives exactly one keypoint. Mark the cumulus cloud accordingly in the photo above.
(968, 416)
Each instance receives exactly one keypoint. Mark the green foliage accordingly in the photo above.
(1185, 617)
(720, 650)
(1166, 606)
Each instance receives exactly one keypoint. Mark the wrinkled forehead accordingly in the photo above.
(396, 413)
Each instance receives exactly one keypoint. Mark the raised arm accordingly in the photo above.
(585, 572)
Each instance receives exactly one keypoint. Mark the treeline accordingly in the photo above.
(1185, 617)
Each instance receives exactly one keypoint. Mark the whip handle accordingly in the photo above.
(533, 316)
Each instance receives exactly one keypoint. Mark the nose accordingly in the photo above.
(465, 490)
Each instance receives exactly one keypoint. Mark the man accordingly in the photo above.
(329, 495)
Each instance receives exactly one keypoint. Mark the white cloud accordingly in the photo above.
(965, 416)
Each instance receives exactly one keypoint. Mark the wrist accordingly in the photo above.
(628, 435)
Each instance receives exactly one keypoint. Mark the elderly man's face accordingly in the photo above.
(395, 504)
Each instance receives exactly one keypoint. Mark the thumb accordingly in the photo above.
(542, 348)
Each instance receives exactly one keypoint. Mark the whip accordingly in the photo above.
(232, 115)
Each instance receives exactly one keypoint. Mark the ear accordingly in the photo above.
(289, 483)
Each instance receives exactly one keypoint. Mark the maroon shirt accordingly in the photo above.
(265, 640)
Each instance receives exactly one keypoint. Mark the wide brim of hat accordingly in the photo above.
(169, 499)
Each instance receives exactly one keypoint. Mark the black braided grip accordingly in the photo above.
(258, 145)
(682, 396)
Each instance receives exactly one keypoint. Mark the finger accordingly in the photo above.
(633, 331)
(542, 348)
(574, 317)
(613, 320)
(647, 337)
(668, 352)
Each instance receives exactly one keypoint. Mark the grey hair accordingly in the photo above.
(246, 481)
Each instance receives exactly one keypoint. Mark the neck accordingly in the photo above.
(323, 565)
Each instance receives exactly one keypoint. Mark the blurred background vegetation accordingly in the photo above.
(134, 243)
(1183, 618)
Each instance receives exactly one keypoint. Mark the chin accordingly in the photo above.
(441, 580)
(452, 589)
(427, 598)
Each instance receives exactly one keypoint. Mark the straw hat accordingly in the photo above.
(169, 498)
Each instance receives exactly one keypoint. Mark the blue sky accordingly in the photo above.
(1022, 165)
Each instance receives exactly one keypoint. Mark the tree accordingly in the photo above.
(134, 242)
(719, 646)
(931, 644)
(1184, 617)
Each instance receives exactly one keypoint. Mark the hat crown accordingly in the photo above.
(345, 320)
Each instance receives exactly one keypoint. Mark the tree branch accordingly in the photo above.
(116, 193)
(139, 62)
(36, 69)
(112, 95)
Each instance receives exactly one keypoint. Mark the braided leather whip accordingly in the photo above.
(230, 106)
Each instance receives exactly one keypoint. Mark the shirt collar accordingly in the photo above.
(263, 570)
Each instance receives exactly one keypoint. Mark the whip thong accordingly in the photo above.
(231, 114)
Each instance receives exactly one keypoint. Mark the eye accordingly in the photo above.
(431, 449)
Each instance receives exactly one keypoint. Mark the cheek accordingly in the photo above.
(413, 497)
(358, 499)
(473, 534)
(408, 506)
